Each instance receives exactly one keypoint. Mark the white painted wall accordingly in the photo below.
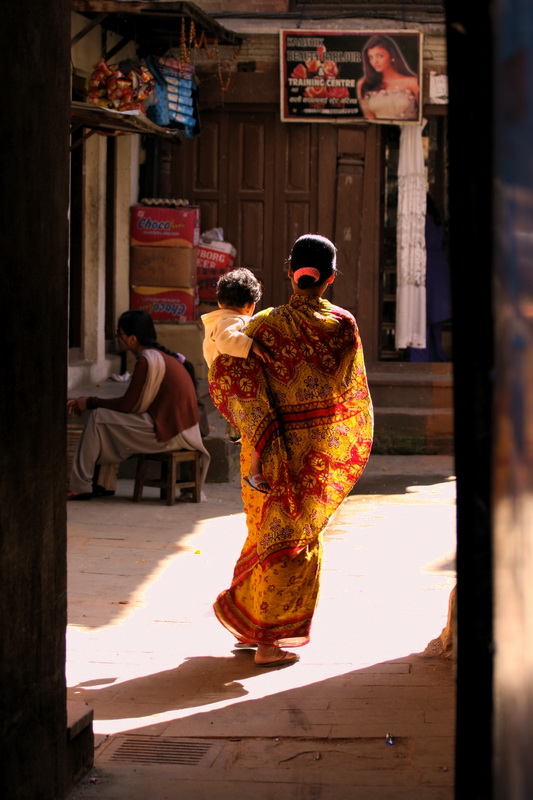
(91, 364)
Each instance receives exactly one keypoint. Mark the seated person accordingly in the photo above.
(158, 412)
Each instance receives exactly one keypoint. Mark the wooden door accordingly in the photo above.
(265, 183)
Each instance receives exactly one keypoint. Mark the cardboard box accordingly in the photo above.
(163, 266)
(214, 260)
(165, 304)
(165, 227)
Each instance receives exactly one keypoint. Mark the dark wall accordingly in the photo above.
(471, 117)
(34, 42)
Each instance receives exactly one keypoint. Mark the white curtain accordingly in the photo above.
(411, 241)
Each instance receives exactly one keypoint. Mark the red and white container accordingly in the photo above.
(165, 227)
(214, 259)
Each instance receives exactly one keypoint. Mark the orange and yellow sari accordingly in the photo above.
(309, 416)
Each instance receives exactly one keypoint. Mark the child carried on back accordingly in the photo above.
(238, 292)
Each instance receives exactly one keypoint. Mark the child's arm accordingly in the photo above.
(261, 351)
(233, 342)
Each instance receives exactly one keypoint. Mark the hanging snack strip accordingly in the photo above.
(175, 87)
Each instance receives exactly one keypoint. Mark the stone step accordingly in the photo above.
(411, 390)
(80, 741)
(421, 422)
(413, 431)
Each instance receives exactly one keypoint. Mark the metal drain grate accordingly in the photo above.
(154, 750)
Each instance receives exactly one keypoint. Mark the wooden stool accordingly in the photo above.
(168, 482)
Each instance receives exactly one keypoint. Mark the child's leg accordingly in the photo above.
(255, 464)
(255, 477)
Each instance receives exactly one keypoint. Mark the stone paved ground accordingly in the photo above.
(180, 714)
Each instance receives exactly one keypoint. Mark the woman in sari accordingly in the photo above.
(308, 414)
(157, 413)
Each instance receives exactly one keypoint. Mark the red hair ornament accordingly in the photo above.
(311, 271)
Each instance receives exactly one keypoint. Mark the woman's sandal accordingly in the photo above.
(257, 482)
(101, 491)
(98, 491)
(286, 659)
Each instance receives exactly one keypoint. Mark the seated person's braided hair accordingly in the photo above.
(139, 323)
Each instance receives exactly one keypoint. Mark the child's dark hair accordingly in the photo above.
(139, 323)
(238, 288)
(313, 260)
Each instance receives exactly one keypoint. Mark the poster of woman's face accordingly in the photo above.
(372, 76)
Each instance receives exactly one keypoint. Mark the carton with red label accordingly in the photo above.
(165, 304)
(165, 227)
(214, 259)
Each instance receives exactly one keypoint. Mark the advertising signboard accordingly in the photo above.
(335, 76)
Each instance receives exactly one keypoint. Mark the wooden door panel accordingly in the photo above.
(295, 209)
(367, 310)
(207, 159)
(250, 193)
(197, 172)
(297, 222)
(209, 214)
(348, 218)
(298, 157)
(252, 237)
(251, 158)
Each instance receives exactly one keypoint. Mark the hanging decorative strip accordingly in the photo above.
(410, 241)
(186, 43)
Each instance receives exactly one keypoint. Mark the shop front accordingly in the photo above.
(265, 180)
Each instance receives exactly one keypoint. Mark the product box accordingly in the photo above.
(165, 304)
(214, 259)
(165, 227)
(163, 266)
